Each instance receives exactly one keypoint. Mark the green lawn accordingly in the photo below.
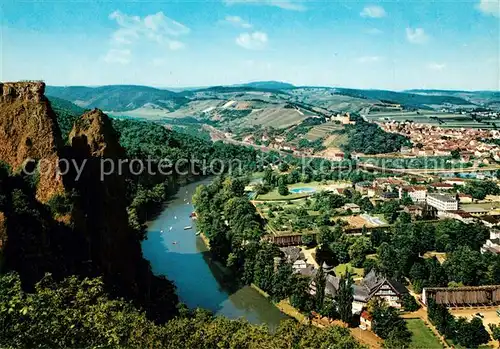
(341, 269)
(422, 337)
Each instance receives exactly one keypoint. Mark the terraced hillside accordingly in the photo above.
(322, 131)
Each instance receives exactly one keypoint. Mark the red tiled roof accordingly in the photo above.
(366, 315)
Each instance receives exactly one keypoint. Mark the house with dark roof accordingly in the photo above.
(376, 285)
(372, 285)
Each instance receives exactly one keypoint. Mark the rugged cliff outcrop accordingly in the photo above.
(95, 238)
(28, 130)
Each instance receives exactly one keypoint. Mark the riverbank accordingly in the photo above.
(285, 306)
(205, 240)
(200, 281)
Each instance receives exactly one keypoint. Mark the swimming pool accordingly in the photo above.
(302, 190)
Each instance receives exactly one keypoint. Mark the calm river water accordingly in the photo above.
(182, 257)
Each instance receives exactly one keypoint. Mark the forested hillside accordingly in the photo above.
(369, 138)
(409, 100)
(117, 97)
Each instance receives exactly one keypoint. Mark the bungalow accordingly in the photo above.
(464, 198)
(489, 220)
(414, 210)
(386, 183)
(442, 152)
(249, 139)
(388, 195)
(459, 215)
(365, 321)
(353, 207)
(442, 186)
(455, 181)
(337, 157)
(371, 192)
(362, 187)
(465, 156)
(491, 246)
(339, 191)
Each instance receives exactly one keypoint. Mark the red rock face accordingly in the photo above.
(28, 130)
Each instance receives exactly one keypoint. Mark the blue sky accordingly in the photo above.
(366, 44)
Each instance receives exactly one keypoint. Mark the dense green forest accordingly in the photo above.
(368, 138)
(238, 244)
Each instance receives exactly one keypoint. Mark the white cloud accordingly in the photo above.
(156, 28)
(252, 41)
(175, 45)
(436, 66)
(416, 36)
(489, 7)
(237, 21)
(293, 5)
(374, 31)
(117, 56)
(373, 12)
(369, 59)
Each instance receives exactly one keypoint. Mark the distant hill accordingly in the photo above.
(118, 97)
(268, 85)
(66, 112)
(410, 100)
(490, 99)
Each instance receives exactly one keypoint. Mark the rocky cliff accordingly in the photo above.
(28, 130)
(95, 238)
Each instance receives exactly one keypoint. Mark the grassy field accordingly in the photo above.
(321, 131)
(278, 117)
(422, 337)
(336, 140)
(445, 120)
(341, 269)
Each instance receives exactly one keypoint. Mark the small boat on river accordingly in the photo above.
(188, 227)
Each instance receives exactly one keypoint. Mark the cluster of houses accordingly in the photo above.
(372, 285)
(432, 200)
(430, 140)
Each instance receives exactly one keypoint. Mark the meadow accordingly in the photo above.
(445, 120)
(421, 336)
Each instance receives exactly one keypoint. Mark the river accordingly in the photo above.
(182, 257)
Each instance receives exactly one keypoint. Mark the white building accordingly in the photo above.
(493, 243)
(417, 194)
(442, 202)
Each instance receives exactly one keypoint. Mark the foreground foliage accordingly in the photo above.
(78, 314)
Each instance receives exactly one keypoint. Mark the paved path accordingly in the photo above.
(367, 338)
